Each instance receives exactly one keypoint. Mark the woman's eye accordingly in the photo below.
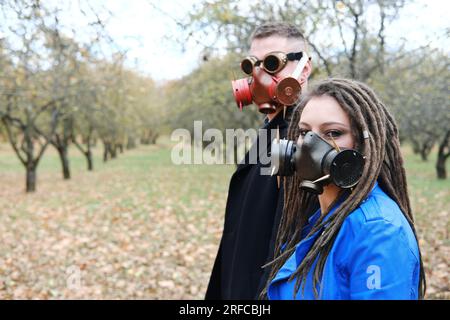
(303, 132)
(333, 133)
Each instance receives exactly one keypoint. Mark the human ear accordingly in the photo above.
(306, 71)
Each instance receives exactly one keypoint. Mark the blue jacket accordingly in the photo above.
(375, 256)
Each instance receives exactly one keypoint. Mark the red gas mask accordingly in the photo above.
(265, 89)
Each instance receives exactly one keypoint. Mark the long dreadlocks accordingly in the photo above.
(384, 163)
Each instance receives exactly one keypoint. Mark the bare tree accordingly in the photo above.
(38, 82)
(24, 89)
(339, 33)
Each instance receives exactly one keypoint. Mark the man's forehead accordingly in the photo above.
(260, 47)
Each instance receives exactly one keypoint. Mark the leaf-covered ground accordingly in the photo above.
(139, 227)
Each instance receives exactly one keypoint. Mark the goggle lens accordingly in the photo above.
(247, 66)
(272, 63)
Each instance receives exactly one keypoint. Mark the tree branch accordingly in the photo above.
(13, 142)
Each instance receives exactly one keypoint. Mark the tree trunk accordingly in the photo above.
(440, 167)
(149, 137)
(30, 164)
(415, 146)
(31, 178)
(154, 138)
(113, 150)
(443, 154)
(426, 148)
(89, 160)
(424, 154)
(144, 139)
(62, 151)
(87, 153)
(105, 151)
(131, 143)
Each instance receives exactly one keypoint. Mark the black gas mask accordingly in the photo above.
(317, 163)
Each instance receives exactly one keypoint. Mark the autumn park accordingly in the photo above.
(92, 205)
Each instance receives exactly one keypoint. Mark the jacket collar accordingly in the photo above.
(302, 248)
(304, 245)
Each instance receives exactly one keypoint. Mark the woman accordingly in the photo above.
(361, 243)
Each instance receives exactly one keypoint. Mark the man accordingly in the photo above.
(255, 201)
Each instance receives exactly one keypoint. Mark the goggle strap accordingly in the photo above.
(294, 56)
(301, 64)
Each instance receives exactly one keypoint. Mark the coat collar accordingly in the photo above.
(277, 122)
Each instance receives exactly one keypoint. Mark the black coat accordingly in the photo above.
(252, 215)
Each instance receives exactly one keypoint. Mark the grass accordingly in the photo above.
(140, 227)
(148, 169)
(430, 197)
(422, 179)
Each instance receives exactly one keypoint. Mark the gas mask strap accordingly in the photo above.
(301, 64)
